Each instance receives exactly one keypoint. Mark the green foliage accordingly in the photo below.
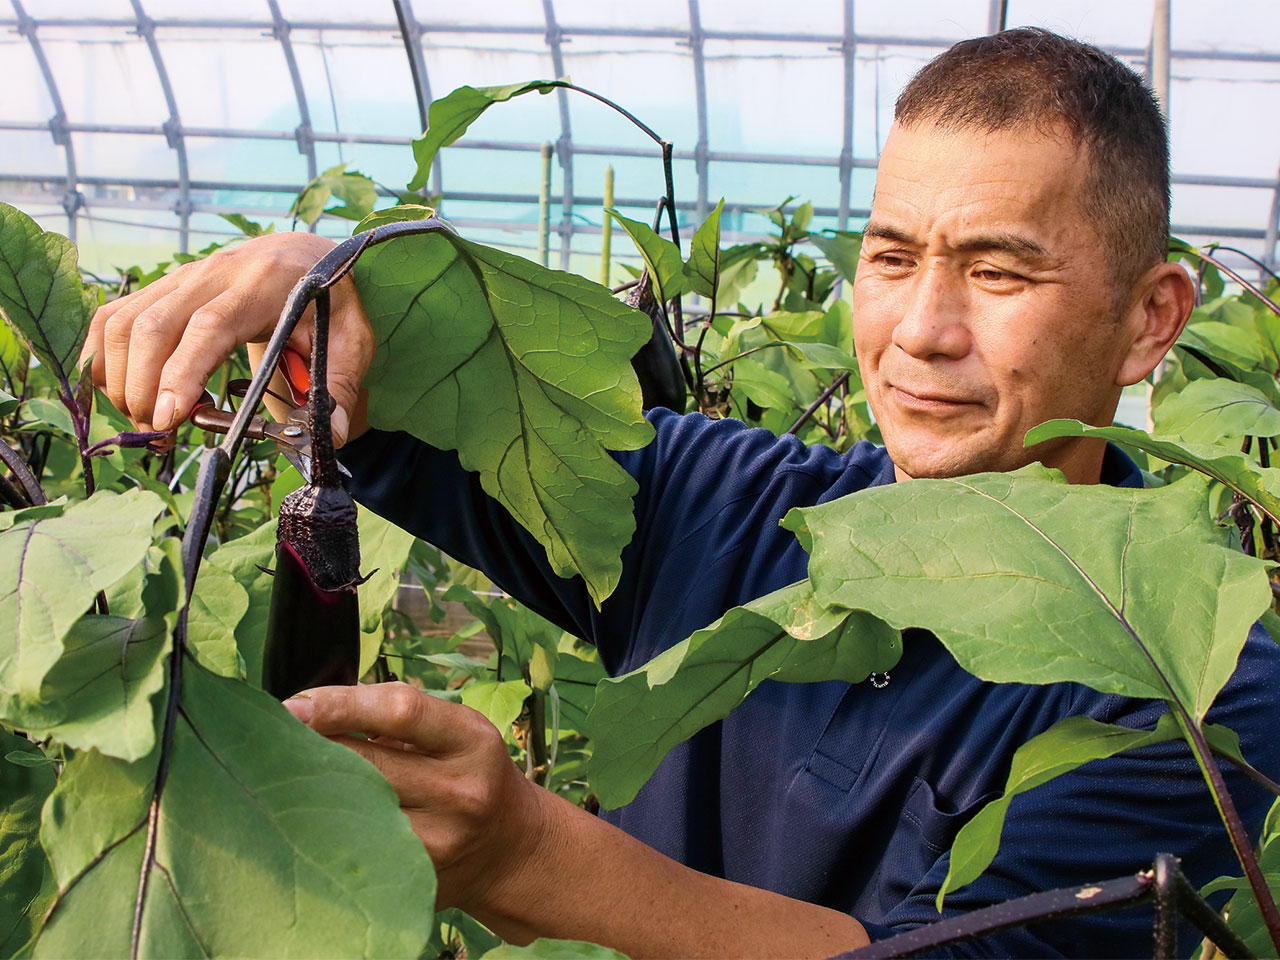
(41, 294)
(661, 258)
(1242, 909)
(356, 193)
(448, 118)
(98, 695)
(1060, 749)
(787, 635)
(702, 271)
(486, 353)
(266, 834)
(1225, 464)
(384, 550)
(54, 565)
(1206, 410)
(543, 949)
(1136, 592)
(26, 889)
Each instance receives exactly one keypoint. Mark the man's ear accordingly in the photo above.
(1158, 309)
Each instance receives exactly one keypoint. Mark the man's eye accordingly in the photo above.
(991, 275)
(892, 261)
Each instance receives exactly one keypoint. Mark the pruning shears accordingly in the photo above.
(292, 435)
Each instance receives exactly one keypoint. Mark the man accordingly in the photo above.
(1013, 271)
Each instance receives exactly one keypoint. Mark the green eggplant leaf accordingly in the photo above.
(384, 548)
(54, 567)
(1228, 340)
(575, 680)
(475, 936)
(8, 403)
(1207, 357)
(448, 118)
(218, 604)
(1062, 748)
(786, 635)
(1225, 464)
(526, 373)
(26, 888)
(823, 356)
(50, 411)
(266, 840)
(702, 270)
(41, 293)
(661, 258)
(1134, 592)
(543, 949)
(763, 386)
(1206, 411)
(15, 358)
(356, 192)
(98, 695)
(247, 559)
(841, 250)
(501, 702)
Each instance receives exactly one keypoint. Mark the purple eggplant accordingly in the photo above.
(313, 629)
(656, 365)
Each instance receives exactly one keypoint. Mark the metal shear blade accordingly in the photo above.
(293, 436)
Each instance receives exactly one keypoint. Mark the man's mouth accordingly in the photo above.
(928, 399)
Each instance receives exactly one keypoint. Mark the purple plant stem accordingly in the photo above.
(13, 460)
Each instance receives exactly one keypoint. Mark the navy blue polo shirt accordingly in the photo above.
(846, 796)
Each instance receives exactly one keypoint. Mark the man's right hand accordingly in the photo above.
(154, 350)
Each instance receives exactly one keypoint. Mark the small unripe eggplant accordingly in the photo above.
(656, 365)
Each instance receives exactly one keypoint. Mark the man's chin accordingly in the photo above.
(944, 461)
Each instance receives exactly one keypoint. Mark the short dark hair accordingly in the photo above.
(1031, 77)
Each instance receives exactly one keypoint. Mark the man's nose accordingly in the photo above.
(933, 322)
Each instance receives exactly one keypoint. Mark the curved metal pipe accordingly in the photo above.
(172, 127)
(72, 200)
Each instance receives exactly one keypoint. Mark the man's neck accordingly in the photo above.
(1080, 461)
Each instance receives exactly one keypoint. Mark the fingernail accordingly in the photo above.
(300, 706)
(340, 424)
(163, 412)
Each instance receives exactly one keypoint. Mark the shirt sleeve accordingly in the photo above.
(709, 494)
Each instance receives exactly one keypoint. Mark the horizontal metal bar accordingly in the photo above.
(587, 30)
(718, 156)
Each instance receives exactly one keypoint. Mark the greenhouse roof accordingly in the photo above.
(132, 124)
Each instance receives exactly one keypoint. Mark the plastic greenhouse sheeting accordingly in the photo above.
(130, 124)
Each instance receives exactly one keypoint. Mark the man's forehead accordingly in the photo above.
(1015, 182)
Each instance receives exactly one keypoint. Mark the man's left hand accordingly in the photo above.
(466, 800)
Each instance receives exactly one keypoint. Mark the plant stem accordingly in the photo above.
(536, 753)
(1222, 267)
(12, 495)
(1251, 258)
(746, 353)
(1253, 773)
(823, 397)
(24, 476)
(609, 103)
(1230, 816)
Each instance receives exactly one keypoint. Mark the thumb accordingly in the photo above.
(351, 347)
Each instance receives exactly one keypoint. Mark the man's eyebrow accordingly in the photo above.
(1015, 244)
(883, 231)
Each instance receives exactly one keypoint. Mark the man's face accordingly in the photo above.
(983, 303)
